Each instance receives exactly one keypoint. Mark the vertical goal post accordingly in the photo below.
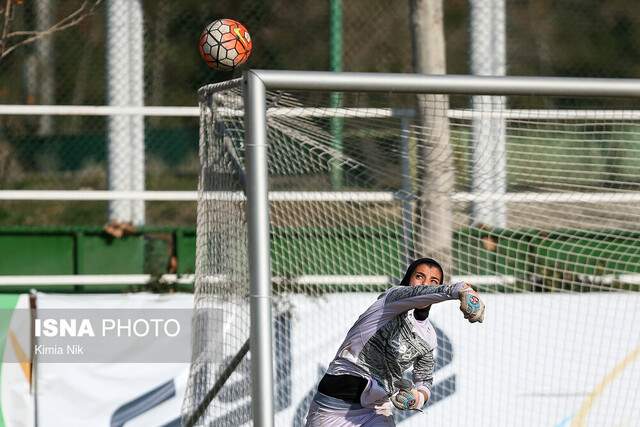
(256, 83)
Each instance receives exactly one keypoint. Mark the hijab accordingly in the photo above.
(421, 313)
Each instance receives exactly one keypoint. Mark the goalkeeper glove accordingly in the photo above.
(471, 305)
(407, 397)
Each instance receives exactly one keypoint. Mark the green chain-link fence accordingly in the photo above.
(570, 38)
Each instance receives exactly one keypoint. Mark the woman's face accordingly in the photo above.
(425, 275)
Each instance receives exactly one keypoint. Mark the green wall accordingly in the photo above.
(86, 250)
(540, 261)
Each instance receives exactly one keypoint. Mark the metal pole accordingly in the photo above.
(46, 64)
(337, 123)
(488, 58)
(448, 84)
(499, 123)
(119, 148)
(125, 62)
(483, 143)
(136, 76)
(258, 239)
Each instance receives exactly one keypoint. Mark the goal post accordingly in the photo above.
(275, 242)
(256, 189)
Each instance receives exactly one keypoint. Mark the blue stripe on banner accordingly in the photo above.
(565, 422)
(142, 404)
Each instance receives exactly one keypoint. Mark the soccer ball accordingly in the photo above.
(225, 44)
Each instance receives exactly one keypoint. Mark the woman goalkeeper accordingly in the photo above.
(390, 337)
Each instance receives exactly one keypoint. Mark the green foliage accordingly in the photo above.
(570, 38)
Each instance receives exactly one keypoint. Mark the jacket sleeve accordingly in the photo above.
(423, 372)
(400, 299)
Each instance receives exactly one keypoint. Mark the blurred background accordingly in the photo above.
(141, 54)
(71, 67)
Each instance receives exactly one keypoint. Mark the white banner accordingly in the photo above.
(115, 394)
(554, 360)
(93, 394)
(538, 359)
(16, 395)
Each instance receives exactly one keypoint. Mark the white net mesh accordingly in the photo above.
(542, 216)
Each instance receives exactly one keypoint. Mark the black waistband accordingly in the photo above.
(344, 387)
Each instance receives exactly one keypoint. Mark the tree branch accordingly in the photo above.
(5, 26)
(73, 19)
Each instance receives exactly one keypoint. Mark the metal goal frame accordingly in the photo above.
(256, 83)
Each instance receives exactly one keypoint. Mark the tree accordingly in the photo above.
(435, 175)
(11, 39)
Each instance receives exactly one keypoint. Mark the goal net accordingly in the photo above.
(535, 200)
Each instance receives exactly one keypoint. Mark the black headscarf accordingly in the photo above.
(421, 313)
(412, 267)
